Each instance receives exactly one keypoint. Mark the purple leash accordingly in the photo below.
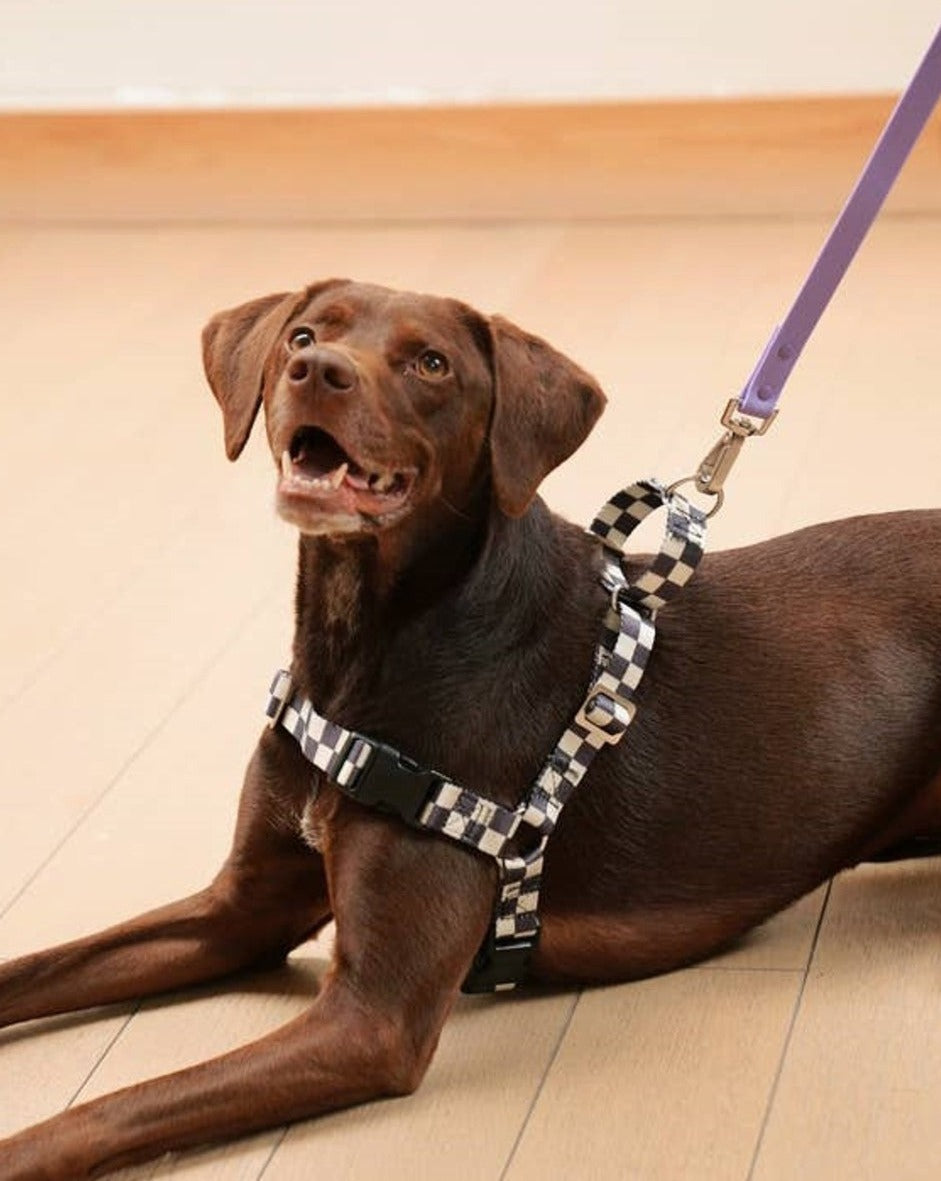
(760, 396)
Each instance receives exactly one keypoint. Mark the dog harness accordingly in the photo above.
(379, 776)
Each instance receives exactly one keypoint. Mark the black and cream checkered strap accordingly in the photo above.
(682, 545)
(379, 776)
(376, 774)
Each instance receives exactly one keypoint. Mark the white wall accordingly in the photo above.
(145, 53)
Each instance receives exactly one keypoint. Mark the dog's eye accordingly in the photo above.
(301, 338)
(433, 364)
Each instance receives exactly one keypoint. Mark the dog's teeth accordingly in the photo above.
(382, 484)
(286, 465)
(336, 478)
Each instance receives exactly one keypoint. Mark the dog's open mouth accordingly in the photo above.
(317, 470)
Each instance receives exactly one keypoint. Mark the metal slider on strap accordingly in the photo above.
(605, 713)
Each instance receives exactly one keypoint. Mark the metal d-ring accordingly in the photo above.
(717, 493)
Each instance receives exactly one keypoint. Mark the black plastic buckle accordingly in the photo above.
(393, 783)
(501, 963)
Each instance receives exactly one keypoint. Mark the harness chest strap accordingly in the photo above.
(377, 775)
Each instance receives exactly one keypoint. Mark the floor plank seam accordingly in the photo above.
(104, 1053)
(707, 967)
(81, 625)
(279, 1140)
(257, 608)
(524, 1123)
(795, 1013)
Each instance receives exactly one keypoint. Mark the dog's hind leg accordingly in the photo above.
(270, 895)
(915, 833)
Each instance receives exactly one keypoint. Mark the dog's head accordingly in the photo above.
(379, 403)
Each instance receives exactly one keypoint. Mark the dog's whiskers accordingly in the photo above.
(454, 509)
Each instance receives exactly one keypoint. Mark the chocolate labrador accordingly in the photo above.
(444, 610)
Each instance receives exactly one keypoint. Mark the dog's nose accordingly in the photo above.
(324, 367)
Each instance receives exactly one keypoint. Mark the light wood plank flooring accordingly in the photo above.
(145, 599)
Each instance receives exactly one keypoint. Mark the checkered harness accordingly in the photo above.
(378, 775)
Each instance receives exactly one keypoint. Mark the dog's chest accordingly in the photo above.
(313, 824)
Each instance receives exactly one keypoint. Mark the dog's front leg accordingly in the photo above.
(338, 1053)
(410, 913)
(270, 895)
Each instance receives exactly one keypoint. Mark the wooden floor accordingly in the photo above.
(145, 601)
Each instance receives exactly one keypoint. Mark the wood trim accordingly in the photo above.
(709, 158)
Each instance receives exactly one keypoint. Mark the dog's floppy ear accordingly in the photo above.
(236, 344)
(544, 407)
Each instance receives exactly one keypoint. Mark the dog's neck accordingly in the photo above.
(354, 596)
(360, 600)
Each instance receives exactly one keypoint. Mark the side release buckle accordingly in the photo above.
(393, 783)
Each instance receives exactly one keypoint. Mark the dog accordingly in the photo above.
(788, 726)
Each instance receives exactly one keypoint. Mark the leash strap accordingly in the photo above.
(756, 407)
(377, 775)
(763, 389)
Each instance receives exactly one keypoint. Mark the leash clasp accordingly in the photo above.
(714, 469)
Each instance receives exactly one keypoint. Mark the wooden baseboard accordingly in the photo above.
(709, 158)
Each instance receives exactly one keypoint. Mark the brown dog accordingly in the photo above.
(443, 609)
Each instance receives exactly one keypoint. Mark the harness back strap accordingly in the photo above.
(377, 775)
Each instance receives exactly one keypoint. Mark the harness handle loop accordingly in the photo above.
(679, 554)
